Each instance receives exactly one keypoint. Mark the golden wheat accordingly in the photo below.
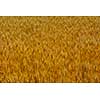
(49, 49)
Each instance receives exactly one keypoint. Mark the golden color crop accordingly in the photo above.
(49, 49)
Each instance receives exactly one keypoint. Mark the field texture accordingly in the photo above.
(50, 49)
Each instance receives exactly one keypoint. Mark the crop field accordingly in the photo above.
(49, 49)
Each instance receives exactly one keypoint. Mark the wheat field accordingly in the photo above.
(49, 49)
